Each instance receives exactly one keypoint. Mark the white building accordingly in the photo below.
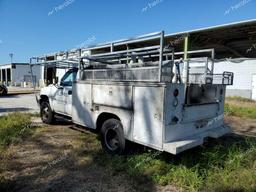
(244, 70)
(19, 74)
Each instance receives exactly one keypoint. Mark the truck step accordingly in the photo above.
(178, 146)
(182, 145)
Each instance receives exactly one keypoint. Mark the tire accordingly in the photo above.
(46, 113)
(112, 137)
(3, 91)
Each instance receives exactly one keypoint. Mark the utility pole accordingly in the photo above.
(11, 56)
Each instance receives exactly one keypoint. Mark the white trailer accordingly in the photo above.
(140, 95)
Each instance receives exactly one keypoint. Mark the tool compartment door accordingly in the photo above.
(81, 100)
(148, 116)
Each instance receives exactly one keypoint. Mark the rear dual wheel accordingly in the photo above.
(112, 137)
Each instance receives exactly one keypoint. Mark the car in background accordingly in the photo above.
(3, 90)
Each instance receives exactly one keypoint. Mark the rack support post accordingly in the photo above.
(161, 56)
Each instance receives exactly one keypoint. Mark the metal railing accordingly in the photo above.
(141, 61)
(226, 78)
(137, 61)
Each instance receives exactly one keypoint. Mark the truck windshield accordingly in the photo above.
(68, 78)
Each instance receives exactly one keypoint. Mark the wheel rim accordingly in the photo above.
(111, 139)
(45, 113)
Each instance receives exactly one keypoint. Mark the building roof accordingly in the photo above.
(229, 40)
(14, 64)
(232, 40)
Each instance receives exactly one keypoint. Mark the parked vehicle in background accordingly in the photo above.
(3, 90)
(141, 94)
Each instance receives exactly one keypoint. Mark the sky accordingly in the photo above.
(36, 27)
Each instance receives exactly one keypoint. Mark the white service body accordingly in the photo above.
(149, 112)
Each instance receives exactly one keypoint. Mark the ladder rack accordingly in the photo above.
(135, 61)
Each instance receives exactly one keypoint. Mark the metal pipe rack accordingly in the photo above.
(138, 55)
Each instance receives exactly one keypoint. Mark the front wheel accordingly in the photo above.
(47, 115)
(112, 137)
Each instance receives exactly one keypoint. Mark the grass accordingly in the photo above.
(13, 126)
(233, 110)
(241, 99)
(240, 107)
(226, 165)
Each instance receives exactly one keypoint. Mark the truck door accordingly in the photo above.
(64, 93)
(58, 100)
(68, 100)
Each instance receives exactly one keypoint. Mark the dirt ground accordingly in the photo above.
(242, 126)
(56, 158)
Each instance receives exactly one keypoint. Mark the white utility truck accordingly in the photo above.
(143, 94)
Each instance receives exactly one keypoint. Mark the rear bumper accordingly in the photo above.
(176, 147)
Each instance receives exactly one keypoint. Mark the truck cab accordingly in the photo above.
(57, 99)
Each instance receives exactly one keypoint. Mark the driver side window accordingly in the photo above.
(68, 78)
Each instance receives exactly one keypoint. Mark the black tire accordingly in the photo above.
(112, 137)
(3, 91)
(46, 113)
